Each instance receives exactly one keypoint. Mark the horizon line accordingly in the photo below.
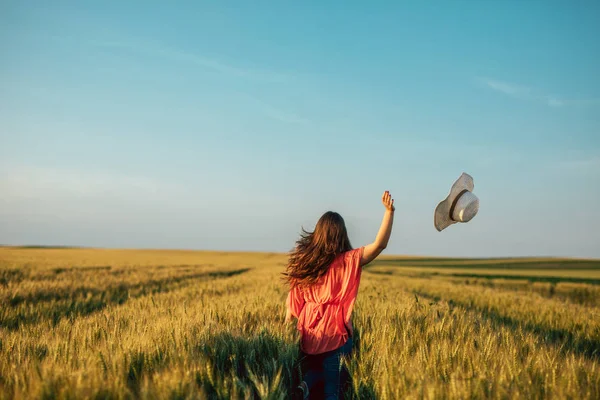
(382, 257)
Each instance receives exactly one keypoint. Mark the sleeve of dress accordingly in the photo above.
(295, 302)
(352, 269)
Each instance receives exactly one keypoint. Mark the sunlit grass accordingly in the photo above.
(581, 275)
(175, 324)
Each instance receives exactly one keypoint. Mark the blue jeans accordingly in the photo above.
(326, 367)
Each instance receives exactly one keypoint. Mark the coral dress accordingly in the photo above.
(324, 309)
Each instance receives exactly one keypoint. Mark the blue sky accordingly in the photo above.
(230, 126)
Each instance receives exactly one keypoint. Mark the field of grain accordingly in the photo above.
(120, 324)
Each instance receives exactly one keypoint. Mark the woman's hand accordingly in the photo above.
(387, 201)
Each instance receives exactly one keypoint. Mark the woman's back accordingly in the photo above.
(324, 309)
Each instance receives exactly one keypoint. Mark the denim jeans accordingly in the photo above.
(326, 367)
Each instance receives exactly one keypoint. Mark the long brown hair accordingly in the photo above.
(315, 251)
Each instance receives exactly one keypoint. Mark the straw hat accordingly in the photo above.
(461, 205)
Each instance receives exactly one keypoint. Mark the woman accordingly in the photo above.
(323, 273)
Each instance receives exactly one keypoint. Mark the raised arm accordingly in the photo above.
(371, 251)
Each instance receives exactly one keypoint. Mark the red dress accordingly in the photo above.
(324, 309)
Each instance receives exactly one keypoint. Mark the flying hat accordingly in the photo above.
(461, 205)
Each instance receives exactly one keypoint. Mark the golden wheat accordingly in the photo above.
(122, 324)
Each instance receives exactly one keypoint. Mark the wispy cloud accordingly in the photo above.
(74, 187)
(275, 113)
(584, 164)
(530, 94)
(36, 182)
(177, 55)
(283, 116)
(507, 88)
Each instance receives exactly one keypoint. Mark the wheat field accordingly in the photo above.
(121, 324)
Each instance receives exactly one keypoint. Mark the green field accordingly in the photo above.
(120, 324)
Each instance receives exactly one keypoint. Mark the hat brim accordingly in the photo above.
(441, 218)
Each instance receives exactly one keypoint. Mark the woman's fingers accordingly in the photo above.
(387, 200)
